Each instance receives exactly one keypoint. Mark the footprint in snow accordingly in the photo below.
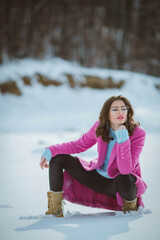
(6, 206)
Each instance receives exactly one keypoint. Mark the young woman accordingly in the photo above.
(111, 181)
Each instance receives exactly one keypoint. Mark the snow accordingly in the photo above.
(44, 116)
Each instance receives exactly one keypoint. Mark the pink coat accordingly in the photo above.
(124, 159)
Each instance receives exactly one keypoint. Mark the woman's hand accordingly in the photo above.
(43, 163)
(121, 127)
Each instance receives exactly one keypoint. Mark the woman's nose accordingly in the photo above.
(120, 111)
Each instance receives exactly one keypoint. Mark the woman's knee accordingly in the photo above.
(55, 160)
(125, 179)
(60, 159)
(126, 186)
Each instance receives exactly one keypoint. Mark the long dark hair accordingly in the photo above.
(104, 127)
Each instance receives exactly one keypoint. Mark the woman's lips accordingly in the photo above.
(120, 117)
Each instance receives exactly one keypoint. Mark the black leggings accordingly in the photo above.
(123, 184)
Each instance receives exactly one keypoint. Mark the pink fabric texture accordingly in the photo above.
(124, 159)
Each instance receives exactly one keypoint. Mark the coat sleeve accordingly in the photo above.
(128, 152)
(85, 142)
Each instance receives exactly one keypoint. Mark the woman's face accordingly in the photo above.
(117, 113)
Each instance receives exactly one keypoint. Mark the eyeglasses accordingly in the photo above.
(116, 109)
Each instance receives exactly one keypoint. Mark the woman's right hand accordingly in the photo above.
(43, 163)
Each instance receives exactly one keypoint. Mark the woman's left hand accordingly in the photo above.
(43, 163)
(121, 127)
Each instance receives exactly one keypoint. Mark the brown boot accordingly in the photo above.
(55, 203)
(129, 205)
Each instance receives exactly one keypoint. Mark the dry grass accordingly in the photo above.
(46, 81)
(91, 82)
(99, 83)
(71, 80)
(10, 87)
(27, 80)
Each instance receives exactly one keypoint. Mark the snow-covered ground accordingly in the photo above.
(44, 116)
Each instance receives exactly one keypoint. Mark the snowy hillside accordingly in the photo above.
(42, 108)
(42, 116)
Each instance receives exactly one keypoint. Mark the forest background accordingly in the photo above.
(115, 34)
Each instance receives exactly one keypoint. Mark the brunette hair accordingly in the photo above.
(104, 127)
